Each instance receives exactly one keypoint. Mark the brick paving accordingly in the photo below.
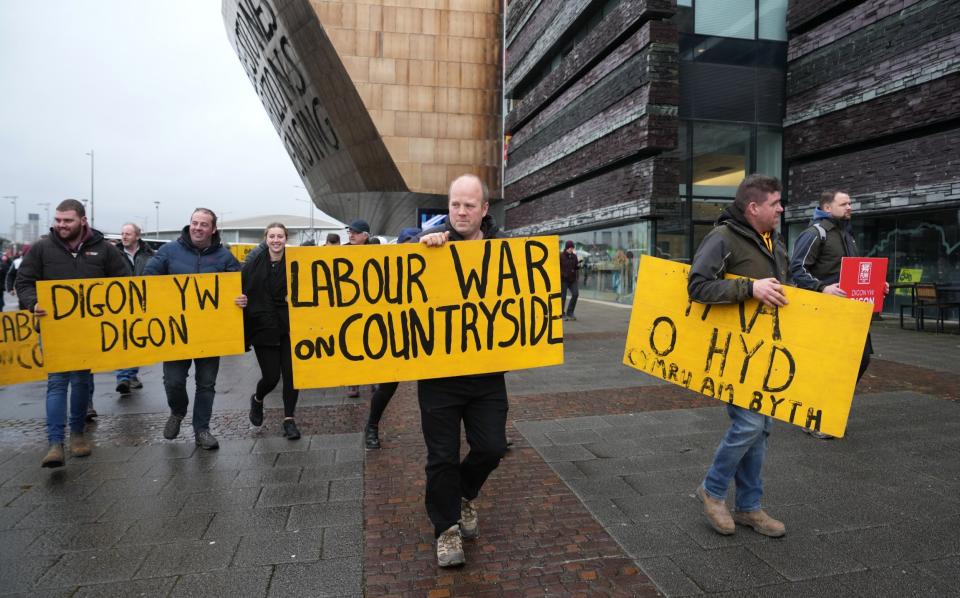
(269, 517)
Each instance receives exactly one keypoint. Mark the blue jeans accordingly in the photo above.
(175, 383)
(740, 458)
(127, 374)
(57, 385)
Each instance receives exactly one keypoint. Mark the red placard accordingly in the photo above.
(863, 279)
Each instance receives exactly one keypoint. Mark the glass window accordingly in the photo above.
(729, 18)
(708, 210)
(684, 2)
(720, 156)
(609, 259)
(773, 20)
(769, 152)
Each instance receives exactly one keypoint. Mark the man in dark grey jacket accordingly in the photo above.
(745, 242)
(71, 250)
(818, 255)
(138, 253)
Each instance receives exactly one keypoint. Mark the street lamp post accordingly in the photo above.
(313, 231)
(157, 205)
(13, 200)
(92, 207)
(46, 208)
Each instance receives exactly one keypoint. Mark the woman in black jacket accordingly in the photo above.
(267, 326)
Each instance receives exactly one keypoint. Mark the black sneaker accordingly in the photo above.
(290, 430)
(135, 383)
(172, 429)
(123, 387)
(206, 440)
(256, 411)
(371, 437)
(91, 412)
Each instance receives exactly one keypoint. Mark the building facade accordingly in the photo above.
(379, 104)
(873, 108)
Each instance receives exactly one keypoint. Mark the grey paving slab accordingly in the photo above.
(167, 529)
(604, 510)
(19, 574)
(806, 557)
(342, 541)
(157, 587)
(232, 499)
(327, 441)
(332, 471)
(902, 580)
(285, 547)
(349, 455)
(670, 577)
(306, 459)
(337, 577)
(144, 507)
(325, 515)
(600, 487)
(228, 524)
(605, 449)
(193, 556)
(947, 570)
(53, 514)
(348, 489)
(95, 566)
(234, 583)
(243, 462)
(885, 546)
(171, 450)
(659, 538)
(110, 490)
(14, 542)
(279, 444)
(294, 494)
(726, 569)
(191, 483)
(658, 507)
(275, 476)
(565, 452)
(11, 515)
(77, 537)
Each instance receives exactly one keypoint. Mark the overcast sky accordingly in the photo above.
(155, 89)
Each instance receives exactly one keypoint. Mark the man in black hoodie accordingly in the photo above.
(71, 250)
(744, 242)
(479, 401)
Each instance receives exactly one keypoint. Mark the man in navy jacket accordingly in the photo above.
(197, 251)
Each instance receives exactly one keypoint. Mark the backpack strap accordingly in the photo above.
(821, 230)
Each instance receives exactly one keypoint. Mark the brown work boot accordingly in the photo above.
(79, 445)
(716, 512)
(761, 523)
(54, 456)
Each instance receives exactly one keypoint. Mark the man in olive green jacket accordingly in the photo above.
(745, 242)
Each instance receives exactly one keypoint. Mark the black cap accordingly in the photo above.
(407, 234)
(359, 226)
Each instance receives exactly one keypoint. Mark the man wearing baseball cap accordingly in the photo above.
(358, 232)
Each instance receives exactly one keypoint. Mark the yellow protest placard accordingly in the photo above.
(382, 313)
(797, 364)
(109, 323)
(21, 359)
(907, 276)
(241, 250)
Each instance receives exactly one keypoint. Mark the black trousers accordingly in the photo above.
(379, 401)
(865, 359)
(275, 363)
(480, 402)
(574, 293)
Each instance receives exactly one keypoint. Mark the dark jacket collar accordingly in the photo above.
(488, 226)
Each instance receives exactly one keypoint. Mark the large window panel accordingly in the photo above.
(726, 18)
(770, 152)
(721, 155)
(773, 20)
(609, 258)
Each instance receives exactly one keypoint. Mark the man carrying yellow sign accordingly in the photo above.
(72, 250)
(744, 242)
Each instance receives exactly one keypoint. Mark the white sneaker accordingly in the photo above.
(469, 521)
(450, 548)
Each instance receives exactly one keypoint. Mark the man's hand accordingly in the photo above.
(39, 311)
(241, 301)
(769, 292)
(835, 290)
(435, 239)
(886, 288)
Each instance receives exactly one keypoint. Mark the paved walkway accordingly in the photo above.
(594, 499)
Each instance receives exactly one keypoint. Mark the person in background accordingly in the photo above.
(385, 391)
(138, 253)
(72, 250)
(267, 326)
(332, 239)
(358, 233)
(818, 254)
(569, 266)
(197, 251)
